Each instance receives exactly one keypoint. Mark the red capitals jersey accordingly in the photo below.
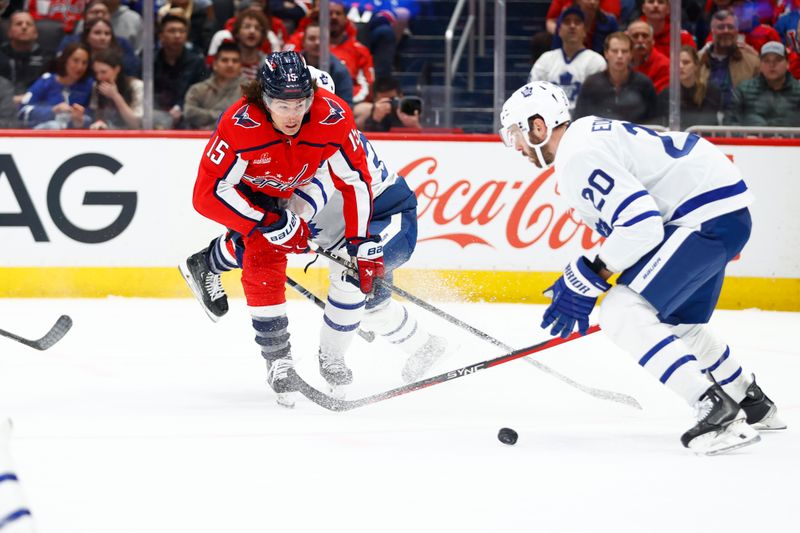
(248, 164)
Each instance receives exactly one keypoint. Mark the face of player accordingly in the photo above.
(104, 72)
(572, 30)
(99, 37)
(774, 67)
(688, 70)
(655, 10)
(724, 32)
(76, 65)
(287, 115)
(639, 32)
(618, 55)
(251, 33)
(22, 28)
(227, 65)
(535, 136)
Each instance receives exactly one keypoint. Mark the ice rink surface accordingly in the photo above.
(147, 417)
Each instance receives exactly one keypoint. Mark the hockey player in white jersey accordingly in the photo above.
(673, 211)
(394, 219)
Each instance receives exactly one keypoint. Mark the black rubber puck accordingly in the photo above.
(507, 436)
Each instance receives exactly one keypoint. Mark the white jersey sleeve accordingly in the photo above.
(626, 182)
(320, 204)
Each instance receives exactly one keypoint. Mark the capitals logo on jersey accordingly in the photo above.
(275, 182)
(335, 113)
(242, 118)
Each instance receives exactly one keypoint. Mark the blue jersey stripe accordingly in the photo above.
(16, 515)
(625, 203)
(339, 327)
(733, 376)
(675, 366)
(721, 360)
(8, 477)
(318, 183)
(347, 307)
(655, 349)
(640, 217)
(708, 197)
(308, 199)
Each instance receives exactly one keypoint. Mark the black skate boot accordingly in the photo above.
(281, 377)
(423, 359)
(721, 425)
(762, 414)
(334, 370)
(205, 285)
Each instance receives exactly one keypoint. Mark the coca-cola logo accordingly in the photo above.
(523, 207)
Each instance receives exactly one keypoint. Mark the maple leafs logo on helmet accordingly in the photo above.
(285, 76)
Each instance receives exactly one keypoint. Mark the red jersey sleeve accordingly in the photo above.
(221, 169)
(350, 171)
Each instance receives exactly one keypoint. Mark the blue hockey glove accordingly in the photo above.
(574, 296)
(368, 257)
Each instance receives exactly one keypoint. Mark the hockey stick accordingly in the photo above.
(335, 404)
(59, 329)
(368, 336)
(591, 391)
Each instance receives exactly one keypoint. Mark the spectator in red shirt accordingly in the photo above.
(646, 59)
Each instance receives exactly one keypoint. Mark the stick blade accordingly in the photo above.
(56, 333)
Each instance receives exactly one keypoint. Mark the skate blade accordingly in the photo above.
(736, 435)
(196, 291)
(771, 422)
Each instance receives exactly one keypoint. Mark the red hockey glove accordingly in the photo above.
(368, 257)
(289, 233)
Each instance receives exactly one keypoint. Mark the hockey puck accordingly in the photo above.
(507, 436)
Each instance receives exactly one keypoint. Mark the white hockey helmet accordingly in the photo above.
(538, 98)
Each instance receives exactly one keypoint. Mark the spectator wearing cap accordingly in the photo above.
(598, 23)
(773, 97)
(572, 63)
(724, 61)
(646, 58)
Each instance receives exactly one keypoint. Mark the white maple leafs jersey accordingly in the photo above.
(553, 66)
(320, 204)
(620, 177)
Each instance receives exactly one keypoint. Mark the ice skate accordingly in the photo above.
(281, 378)
(721, 425)
(762, 414)
(205, 285)
(336, 373)
(423, 359)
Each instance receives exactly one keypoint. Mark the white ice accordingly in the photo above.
(147, 417)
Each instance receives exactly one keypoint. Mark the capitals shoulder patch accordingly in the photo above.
(242, 118)
(335, 113)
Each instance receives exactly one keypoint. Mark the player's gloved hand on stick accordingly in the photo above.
(288, 232)
(574, 296)
(368, 257)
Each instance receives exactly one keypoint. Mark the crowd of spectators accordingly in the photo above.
(738, 61)
(67, 64)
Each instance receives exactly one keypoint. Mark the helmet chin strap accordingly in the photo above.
(537, 148)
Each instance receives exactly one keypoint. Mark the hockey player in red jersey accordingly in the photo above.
(266, 145)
